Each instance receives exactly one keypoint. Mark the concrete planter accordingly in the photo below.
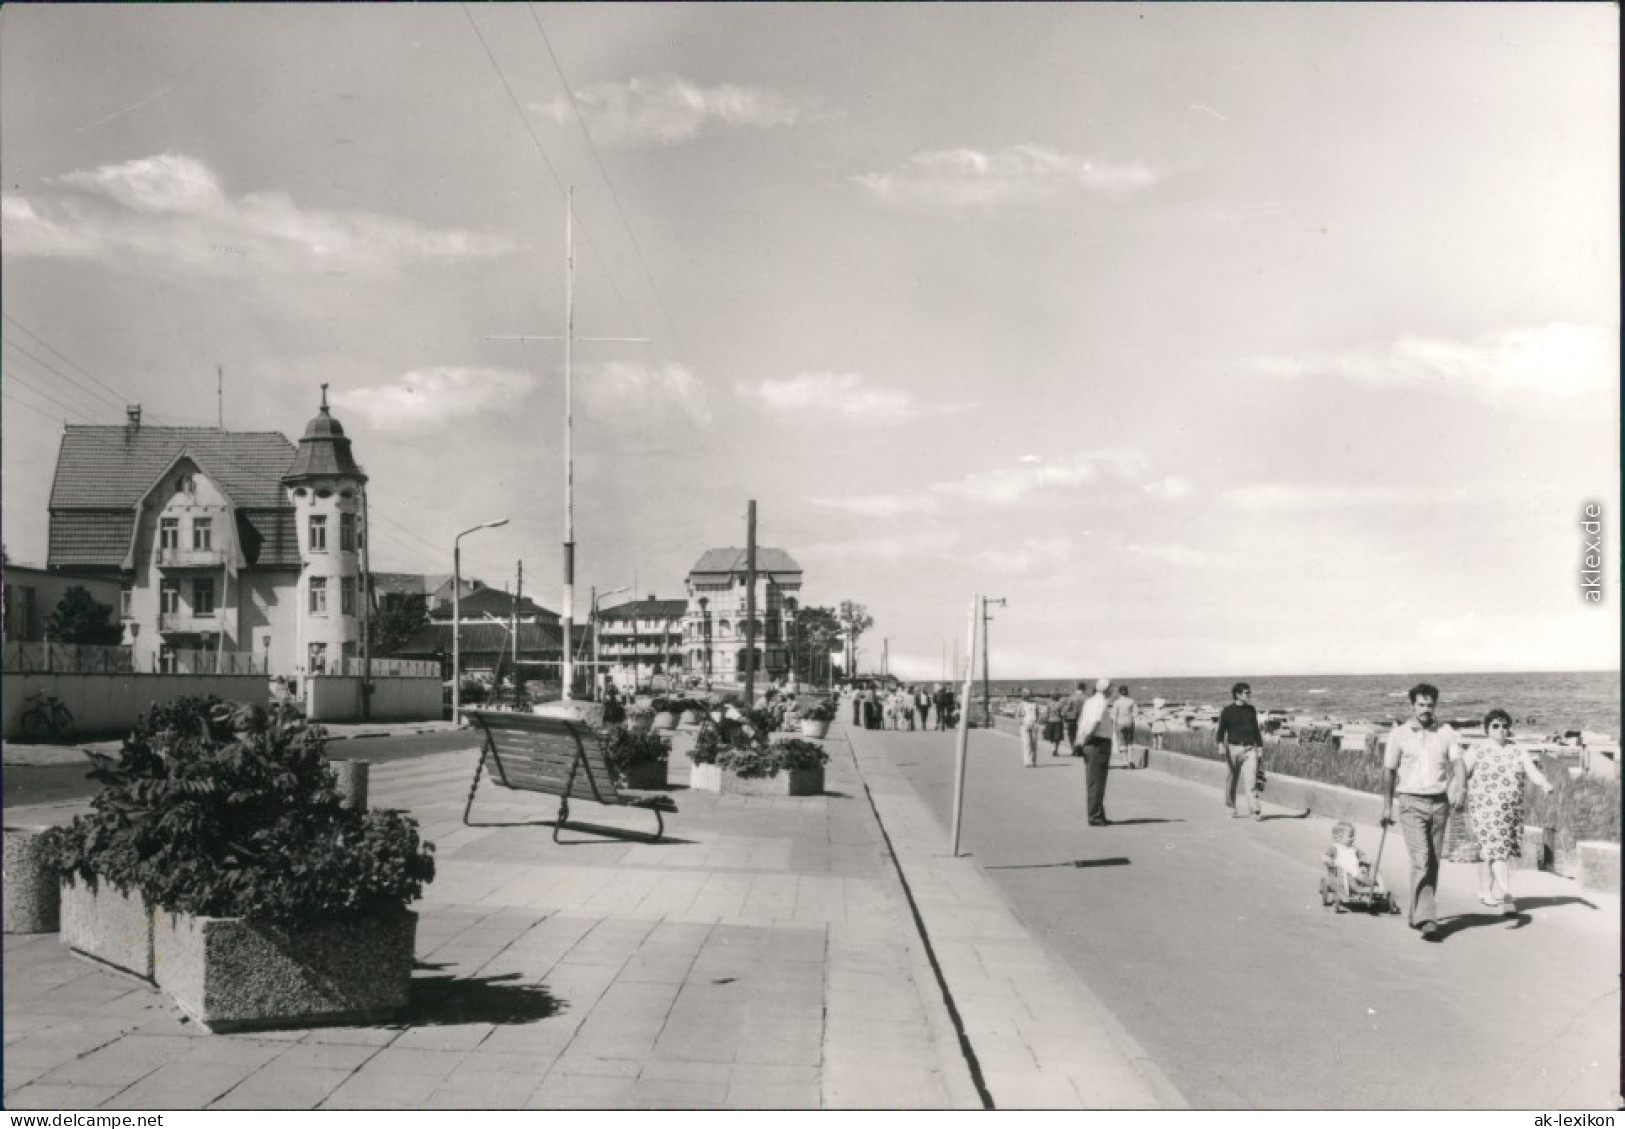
(33, 891)
(664, 720)
(105, 925)
(804, 781)
(231, 974)
(817, 729)
(649, 774)
(705, 777)
(789, 782)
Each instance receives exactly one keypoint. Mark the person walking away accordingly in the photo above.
(1239, 737)
(1159, 722)
(1422, 765)
(857, 704)
(1028, 719)
(1095, 727)
(1054, 728)
(1123, 721)
(922, 704)
(1496, 771)
(905, 704)
(1071, 709)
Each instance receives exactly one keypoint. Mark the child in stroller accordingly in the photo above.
(1350, 881)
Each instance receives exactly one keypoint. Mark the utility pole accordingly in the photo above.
(987, 695)
(567, 614)
(366, 609)
(220, 394)
(519, 591)
(750, 606)
(885, 655)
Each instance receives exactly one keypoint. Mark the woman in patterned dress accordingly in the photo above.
(1496, 771)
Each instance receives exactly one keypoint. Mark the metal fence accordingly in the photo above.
(218, 662)
(66, 658)
(391, 668)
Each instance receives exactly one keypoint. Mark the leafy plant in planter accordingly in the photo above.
(637, 759)
(718, 737)
(796, 755)
(752, 762)
(821, 710)
(215, 810)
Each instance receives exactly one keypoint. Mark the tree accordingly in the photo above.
(81, 620)
(400, 616)
(817, 632)
(854, 620)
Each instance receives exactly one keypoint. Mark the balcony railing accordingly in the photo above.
(188, 623)
(174, 556)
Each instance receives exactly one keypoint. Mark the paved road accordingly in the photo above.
(1205, 938)
(57, 783)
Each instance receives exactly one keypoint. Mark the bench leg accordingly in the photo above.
(660, 824)
(564, 817)
(468, 807)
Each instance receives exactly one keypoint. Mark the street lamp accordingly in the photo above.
(596, 596)
(457, 617)
(987, 696)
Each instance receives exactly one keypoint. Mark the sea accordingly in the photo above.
(1541, 703)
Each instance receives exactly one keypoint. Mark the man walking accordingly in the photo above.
(1123, 720)
(1095, 727)
(1027, 718)
(1423, 764)
(1239, 737)
(922, 704)
(1071, 709)
(943, 699)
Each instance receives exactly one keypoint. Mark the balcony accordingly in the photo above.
(188, 623)
(176, 558)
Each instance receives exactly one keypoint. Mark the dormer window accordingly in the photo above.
(202, 533)
(169, 533)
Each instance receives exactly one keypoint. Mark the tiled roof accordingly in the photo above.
(535, 640)
(645, 609)
(101, 466)
(324, 450)
(733, 560)
(90, 537)
(497, 603)
(278, 537)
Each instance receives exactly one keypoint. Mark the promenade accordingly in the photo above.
(827, 952)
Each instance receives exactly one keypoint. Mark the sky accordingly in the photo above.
(1213, 338)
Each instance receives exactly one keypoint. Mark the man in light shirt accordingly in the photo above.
(1095, 734)
(1423, 766)
(1028, 718)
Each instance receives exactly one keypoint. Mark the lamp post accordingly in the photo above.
(987, 695)
(596, 596)
(457, 616)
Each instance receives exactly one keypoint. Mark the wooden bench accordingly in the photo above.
(556, 757)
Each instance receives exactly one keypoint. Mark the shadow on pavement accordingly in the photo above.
(1079, 863)
(1142, 819)
(447, 1000)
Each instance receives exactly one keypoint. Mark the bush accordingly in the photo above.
(228, 810)
(664, 705)
(1320, 760)
(821, 710)
(1584, 808)
(798, 754)
(624, 748)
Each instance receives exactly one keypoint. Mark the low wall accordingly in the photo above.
(335, 697)
(107, 705)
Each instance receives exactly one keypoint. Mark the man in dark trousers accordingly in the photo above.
(1095, 730)
(1241, 740)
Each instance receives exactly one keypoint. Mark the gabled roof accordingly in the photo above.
(535, 639)
(107, 467)
(645, 609)
(500, 604)
(730, 560)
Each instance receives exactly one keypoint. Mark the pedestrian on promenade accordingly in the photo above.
(1242, 742)
(1123, 720)
(1095, 727)
(1071, 709)
(855, 692)
(1054, 728)
(1159, 722)
(905, 705)
(943, 699)
(1423, 765)
(922, 704)
(1028, 719)
(871, 707)
(1496, 771)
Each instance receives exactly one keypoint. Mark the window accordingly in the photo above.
(318, 595)
(318, 658)
(203, 596)
(166, 661)
(169, 597)
(347, 532)
(124, 597)
(347, 595)
(318, 533)
(202, 533)
(169, 533)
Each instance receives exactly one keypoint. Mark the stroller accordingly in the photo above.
(1343, 892)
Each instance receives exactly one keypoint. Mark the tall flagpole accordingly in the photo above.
(569, 671)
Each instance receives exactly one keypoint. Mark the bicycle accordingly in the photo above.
(46, 718)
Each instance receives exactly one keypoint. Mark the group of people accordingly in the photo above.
(874, 706)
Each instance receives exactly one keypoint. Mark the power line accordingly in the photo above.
(64, 358)
(47, 365)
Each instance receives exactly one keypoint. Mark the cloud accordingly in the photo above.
(1171, 553)
(1549, 365)
(665, 109)
(633, 387)
(1023, 558)
(1170, 488)
(1022, 174)
(1002, 487)
(1277, 497)
(431, 399)
(818, 398)
(172, 209)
